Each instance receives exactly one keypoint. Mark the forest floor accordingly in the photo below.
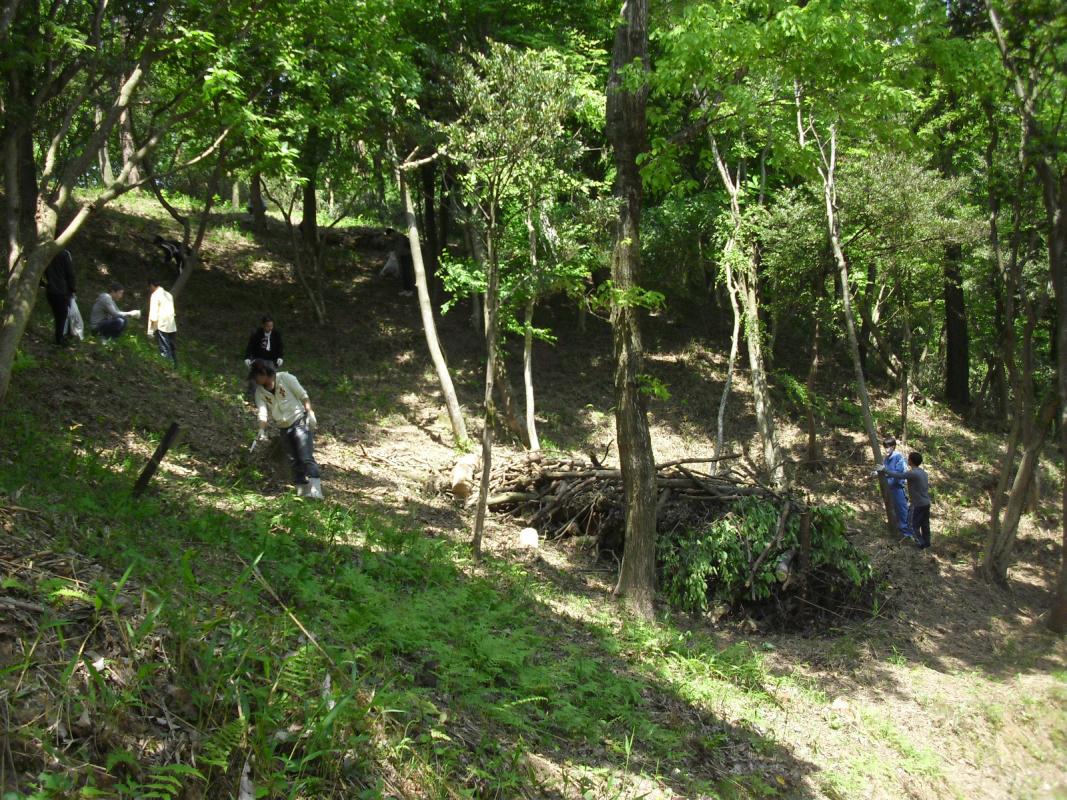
(142, 638)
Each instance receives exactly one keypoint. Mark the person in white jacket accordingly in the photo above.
(161, 321)
(282, 400)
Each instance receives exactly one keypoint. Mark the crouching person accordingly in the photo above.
(280, 398)
(106, 319)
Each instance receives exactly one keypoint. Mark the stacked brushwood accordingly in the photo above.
(567, 496)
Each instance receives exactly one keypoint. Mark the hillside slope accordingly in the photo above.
(220, 634)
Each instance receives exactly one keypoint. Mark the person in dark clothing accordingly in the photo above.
(401, 251)
(918, 497)
(173, 251)
(265, 344)
(60, 287)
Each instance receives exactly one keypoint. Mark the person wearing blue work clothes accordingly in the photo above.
(894, 463)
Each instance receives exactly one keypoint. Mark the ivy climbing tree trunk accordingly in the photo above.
(626, 128)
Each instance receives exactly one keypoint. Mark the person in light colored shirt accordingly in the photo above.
(106, 319)
(282, 400)
(161, 322)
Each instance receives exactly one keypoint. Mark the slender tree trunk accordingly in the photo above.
(448, 391)
(129, 147)
(957, 341)
(527, 375)
(833, 224)
(626, 127)
(103, 157)
(492, 300)
(814, 456)
(905, 379)
(428, 174)
(12, 239)
(761, 393)
(235, 197)
(735, 337)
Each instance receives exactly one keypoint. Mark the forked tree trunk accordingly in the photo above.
(255, 200)
(626, 128)
(448, 391)
(129, 147)
(1001, 539)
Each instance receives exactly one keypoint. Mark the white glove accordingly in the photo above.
(278, 362)
(312, 421)
(874, 473)
(248, 362)
(262, 435)
(136, 314)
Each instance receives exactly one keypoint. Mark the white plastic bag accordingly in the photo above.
(391, 268)
(75, 323)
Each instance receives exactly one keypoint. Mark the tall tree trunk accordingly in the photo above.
(255, 200)
(428, 174)
(448, 390)
(626, 128)
(957, 341)
(492, 303)
(235, 197)
(827, 172)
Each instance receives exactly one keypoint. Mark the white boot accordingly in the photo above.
(314, 489)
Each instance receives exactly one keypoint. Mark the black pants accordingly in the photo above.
(920, 525)
(407, 272)
(167, 346)
(300, 444)
(111, 329)
(60, 304)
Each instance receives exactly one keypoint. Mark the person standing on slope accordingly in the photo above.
(893, 464)
(918, 496)
(280, 398)
(161, 321)
(59, 286)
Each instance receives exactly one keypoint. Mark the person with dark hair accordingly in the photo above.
(60, 287)
(106, 320)
(161, 320)
(892, 464)
(282, 400)
(918, 495)
(265, 344)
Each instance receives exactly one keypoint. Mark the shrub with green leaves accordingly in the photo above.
(712, 565)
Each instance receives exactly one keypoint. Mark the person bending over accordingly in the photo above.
(282, 400)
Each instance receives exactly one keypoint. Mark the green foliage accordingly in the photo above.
(712, 566)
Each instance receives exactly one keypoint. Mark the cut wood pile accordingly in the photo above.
(563, 497)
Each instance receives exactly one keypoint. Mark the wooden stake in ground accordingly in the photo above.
(157, 457)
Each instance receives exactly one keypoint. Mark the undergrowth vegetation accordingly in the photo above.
(316, 651)
(712, 566)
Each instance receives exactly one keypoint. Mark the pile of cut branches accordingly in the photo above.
(563, 497)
